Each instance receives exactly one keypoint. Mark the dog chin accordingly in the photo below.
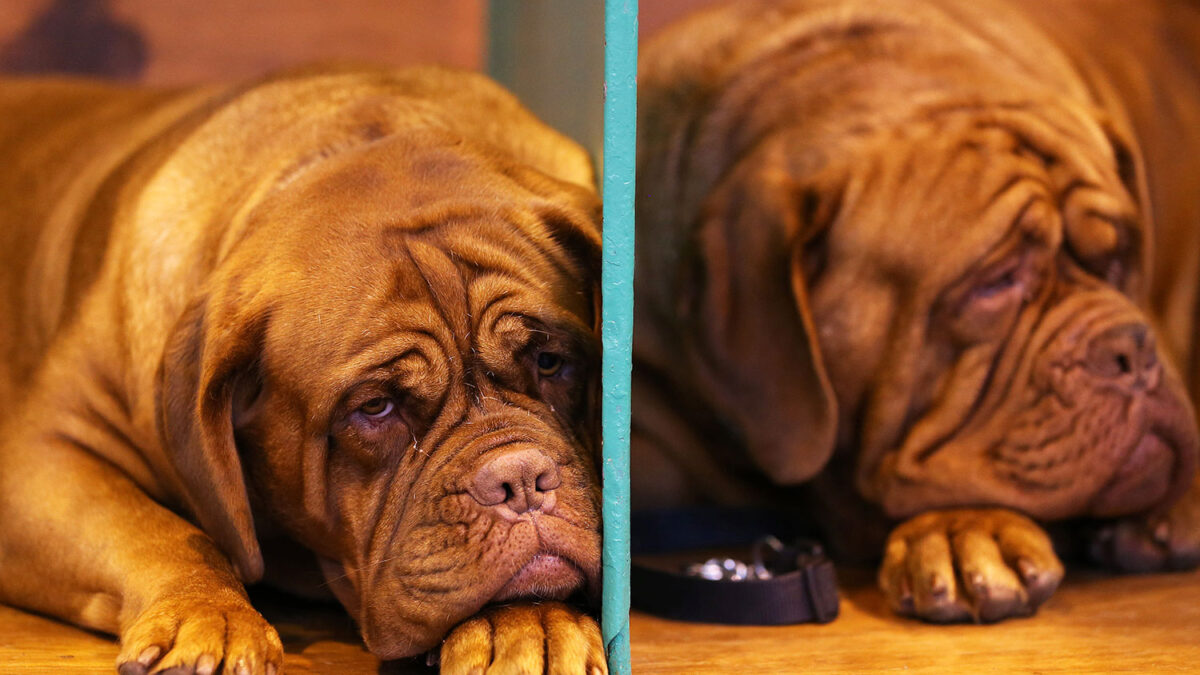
(562, 562)
(566, 561)
(389, 630)
(1143, 480)
(392, 634)
(1160, 466)
(545, 577)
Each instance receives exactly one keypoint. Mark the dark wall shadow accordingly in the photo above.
(77, 37)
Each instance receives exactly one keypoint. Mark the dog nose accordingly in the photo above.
(520, 479)
(1125, 351)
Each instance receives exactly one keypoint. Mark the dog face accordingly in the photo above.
(987, 273)
(969, 277)
(405, 346)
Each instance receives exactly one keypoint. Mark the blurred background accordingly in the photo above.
(549, 52)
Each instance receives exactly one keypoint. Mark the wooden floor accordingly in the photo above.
(1093, 624)
(317, 639)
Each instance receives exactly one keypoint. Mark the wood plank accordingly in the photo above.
(317, 638)
(1095, 623)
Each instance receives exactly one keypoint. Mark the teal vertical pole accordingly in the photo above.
(620, 139)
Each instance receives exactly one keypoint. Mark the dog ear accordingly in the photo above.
(576, 232)
(1128, 164)
(579, 238)
(205, 355)
(1132, 172)
(757, 349)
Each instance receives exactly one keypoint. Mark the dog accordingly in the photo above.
(342, 314)
(927, 270)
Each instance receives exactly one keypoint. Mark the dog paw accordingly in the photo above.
(527, 639)
(969, 564)
(193, 635)
(1157, 543)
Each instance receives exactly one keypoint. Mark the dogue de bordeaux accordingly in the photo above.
(927, 267)
(342, 311)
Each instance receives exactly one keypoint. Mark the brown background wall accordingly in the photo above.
(184, 41)
(654, 14)
(549, 52)
(178, 41)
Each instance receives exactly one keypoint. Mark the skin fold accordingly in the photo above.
(343, 315)
(928, 271)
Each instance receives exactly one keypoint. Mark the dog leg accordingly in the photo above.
(968, 564)
(1154, 543)
(527, 638)
(80, 541)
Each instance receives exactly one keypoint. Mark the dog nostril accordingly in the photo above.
(1122, 351)
(549, 480)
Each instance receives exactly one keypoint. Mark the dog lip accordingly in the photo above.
(546, 576)
(564, 560)
(1142, 481)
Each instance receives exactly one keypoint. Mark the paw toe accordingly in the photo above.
(525, 638)
(981, 565)
(180, 636)
(468, 648)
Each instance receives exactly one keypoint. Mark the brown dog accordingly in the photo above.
(344, 309)
(910, 252)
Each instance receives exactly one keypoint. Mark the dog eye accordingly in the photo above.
(991, 301)
(997, 285)
(377, 407)
(548, 364)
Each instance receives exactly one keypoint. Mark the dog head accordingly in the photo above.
(944, 277)
(395, 363)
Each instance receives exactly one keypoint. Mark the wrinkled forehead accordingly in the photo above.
(474, 270)
(384, 203)
(439, 302)
(414, 246)
(921, 198)
(386, 180)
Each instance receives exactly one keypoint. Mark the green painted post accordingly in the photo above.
(620, 139)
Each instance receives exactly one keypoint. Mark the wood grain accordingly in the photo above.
(1093, 624)
(317, 638)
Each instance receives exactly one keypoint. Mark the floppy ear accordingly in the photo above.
(205, 355)
(758, 354)
(577, 233)
(580, 239)
(1128, 160)
(1132, 171)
